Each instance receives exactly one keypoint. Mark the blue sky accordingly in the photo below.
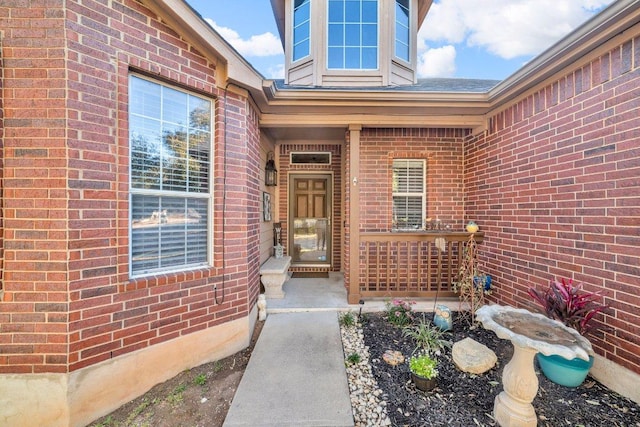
(460, 38)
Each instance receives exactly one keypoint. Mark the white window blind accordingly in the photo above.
(408, 190)
(170, 140)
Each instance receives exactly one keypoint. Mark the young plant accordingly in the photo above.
(354, 358)
(347, 320)
(200, 379)
(428, 338)
(424, 366)
(399, 312)
(569, 304)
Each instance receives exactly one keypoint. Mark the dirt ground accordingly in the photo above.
(198, 397)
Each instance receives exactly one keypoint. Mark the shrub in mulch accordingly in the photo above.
(463, 399)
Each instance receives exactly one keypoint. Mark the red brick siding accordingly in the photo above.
(335, 167)
(33, 316)
(71, 303)
(555, 186)
(442, 150)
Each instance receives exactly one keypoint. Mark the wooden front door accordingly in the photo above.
(310, 219)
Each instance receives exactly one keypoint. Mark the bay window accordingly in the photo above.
(301, 29)
(352, 34)
(402, 29)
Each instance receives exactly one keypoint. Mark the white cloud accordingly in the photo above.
(266, 44)
(276, 72)
(506, 28)
(438, 62)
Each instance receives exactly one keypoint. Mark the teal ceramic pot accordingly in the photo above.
(569, 373)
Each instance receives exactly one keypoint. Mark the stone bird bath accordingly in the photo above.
(530, 333)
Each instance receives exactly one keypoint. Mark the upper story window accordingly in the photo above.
(170, 160)
(408, 193)
(352, 35)
(402, 29)
(301, 29)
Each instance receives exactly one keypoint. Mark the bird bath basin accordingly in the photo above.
(530, 333)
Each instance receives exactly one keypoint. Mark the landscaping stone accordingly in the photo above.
(471, 356)
(393, 357)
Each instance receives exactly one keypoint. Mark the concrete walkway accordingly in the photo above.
(296, 375)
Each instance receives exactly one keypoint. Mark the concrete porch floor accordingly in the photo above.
(329, 294)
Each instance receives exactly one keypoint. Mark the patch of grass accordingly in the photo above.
(137, 411)
(347, 319)
(353, 359)
(200, 380)
(176, 395)
(108, 422)
(217, 366)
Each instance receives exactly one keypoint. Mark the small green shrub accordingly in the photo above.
(200, 379)
(428, 338)
(347, 320)
(399, 312)
(354, 359)
(424, 366)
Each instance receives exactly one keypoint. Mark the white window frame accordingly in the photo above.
(407, 193)
(186, 195)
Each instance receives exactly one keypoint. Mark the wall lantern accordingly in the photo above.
(270, 171)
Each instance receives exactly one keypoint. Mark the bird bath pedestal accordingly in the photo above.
(530, 333)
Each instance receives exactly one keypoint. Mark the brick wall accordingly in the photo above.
(555, 185)
(33, 316)
(443, 151)
(441, 148)
(66, 189)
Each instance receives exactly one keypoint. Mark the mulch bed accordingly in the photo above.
(462, 399)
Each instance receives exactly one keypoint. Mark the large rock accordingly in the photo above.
(473, 357)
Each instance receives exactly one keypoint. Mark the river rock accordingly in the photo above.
(471, 356)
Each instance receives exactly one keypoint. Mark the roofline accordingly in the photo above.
(580, 44)
(193, 27)
(584, 44)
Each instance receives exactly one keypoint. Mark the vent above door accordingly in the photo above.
(310, 158)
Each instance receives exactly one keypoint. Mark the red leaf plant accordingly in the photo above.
(569, 304)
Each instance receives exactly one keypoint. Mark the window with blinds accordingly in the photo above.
(408, 190)
(170, 143)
